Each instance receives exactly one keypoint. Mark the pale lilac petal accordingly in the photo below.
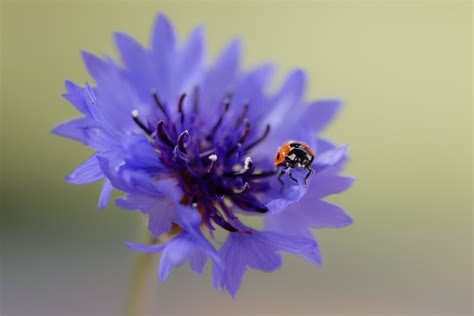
(325, 214)
(287, 99)
(88, 171)
(320, 112)
(197, 262)
(163, 49)
(326, 183)
(76, 129)
(329, 158)
(146, 247)
(139, 69)
(174, 255)
(190, 61)
(219, 78)
(75, 95)
(97, 67)
(105, 194)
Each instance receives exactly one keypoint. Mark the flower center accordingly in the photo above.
(212, 165)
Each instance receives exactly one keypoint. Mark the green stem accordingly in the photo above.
(141, 281)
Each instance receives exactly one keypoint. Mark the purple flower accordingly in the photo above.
(192, 147)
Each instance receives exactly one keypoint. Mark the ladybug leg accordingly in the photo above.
(292, 178)
(282, 172)
(310, 172)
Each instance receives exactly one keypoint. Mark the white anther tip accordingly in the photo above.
(213, 157)
(247, 163)
(135, 113)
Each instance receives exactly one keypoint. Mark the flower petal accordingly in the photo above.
(257, 250)
(324, 214)
(329, 158)
(163, 47)
(75, 128)
(139, 69)
(105, 194)
(146, 247)
(75, 95)
(88, 171)
(320, 112)
(219, 78)
(287, 98)
(190, 61)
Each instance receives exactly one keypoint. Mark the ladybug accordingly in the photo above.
(293, 154)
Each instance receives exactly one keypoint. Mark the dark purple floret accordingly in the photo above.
(209, 171)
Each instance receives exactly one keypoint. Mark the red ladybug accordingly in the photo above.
(294, 154)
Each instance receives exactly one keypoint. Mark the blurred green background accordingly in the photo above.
(404, 70)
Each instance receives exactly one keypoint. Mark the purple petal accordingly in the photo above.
(88, 171)
(75, 95)
(75, 128)
(163, 39)
(161, 217)
(283, 196)
(324, 214)
(320, 112)
(141, 154)
(287, 99)
(329, 158)
(105, 194)
(96, 67)
(175, 254)
(197, 262)
(112, 110)
(327, 183)
(219, 78)
(146, 247)
(139, 69)
(163, 47)
(190, 60)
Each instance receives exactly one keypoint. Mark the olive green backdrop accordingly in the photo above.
(404, 70)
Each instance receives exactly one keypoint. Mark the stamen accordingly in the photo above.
(181, 141)
(180, 107)
(245, 133)
(227, 101)
(161, 133)
(219, 220)
(207, 153)
(194, 201)
(160, 105)
(249, 203)
(258, 140)
(196, 100)
(242, 138)
(212, 166)
(248, 164)
(242, 116)
(227, 211)
(242, 189)
(213, 157)
(140, 123)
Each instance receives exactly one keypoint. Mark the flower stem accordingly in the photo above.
(141, 281)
